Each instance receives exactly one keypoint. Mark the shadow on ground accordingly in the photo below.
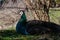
(12, 35)
(8, 33)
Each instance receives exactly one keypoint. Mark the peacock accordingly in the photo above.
(35, 26)
(21, 25)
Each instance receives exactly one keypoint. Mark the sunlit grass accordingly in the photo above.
(55, 16)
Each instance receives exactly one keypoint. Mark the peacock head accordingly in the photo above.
(23, 16)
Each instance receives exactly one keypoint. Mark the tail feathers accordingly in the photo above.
(42, 27)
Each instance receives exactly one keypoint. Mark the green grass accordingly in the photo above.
(55, 16)
(57, 1)
(12, 35)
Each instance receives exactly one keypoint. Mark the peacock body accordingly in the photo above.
(21, 25)
(35, 26)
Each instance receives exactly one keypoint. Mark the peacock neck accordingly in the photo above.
(23, 18)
